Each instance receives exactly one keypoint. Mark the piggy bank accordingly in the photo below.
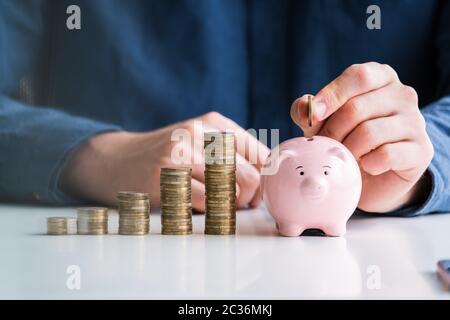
(311, 183)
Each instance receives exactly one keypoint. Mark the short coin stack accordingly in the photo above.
(220, 183)
(92, 220)
(134, 213)
(56, 226)
(71, 225)
(176, 203)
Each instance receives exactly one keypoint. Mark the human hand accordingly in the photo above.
(377, 118)
(115, 161)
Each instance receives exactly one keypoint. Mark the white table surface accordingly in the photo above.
(398, 254)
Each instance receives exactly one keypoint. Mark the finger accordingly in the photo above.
(299, 114)
(238, 192)
(247, 177)
(196, 161)
(371, 134)
(399, 156)
(383, 102)
(198, 195)
(192, 151)
(388, 183)
(256, 201)
(247, 145)
(354, 81)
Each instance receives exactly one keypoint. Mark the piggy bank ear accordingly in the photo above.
(338, 153)
(284, 154)
(275, 159)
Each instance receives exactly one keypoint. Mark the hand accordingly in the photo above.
(377, 118)
(114, 161)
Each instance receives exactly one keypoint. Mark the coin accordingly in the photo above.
(219, 150)
(131, 195)
(173, 233)
(225, 231)
(310, 110)
(180, 227)
(133, 203)
(134, 213)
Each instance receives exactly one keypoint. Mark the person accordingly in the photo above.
(88, 111)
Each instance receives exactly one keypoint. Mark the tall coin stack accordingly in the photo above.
(134, 213)
(220, 183)
(176, 203)
(92, 220)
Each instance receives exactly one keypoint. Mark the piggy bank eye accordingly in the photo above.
(301, 171)
(325, 172)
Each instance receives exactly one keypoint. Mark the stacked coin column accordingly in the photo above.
(56, 226)
(220, 183)
(176, 203)
(134, 213)
(92, 220)
(71, 225)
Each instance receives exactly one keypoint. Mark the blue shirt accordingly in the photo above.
(139, 65)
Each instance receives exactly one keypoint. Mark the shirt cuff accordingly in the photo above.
(55, 195)
(426, 207)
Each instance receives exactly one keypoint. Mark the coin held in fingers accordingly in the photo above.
(310, 111)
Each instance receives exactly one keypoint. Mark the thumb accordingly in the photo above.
(299, 114)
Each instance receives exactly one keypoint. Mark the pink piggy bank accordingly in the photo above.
(311, 183)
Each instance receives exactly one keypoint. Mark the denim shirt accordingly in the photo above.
(139, 65)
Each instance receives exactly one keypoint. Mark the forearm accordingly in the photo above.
(432, 191)
(91, 170)
(35, 143)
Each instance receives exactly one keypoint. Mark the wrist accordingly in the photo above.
(420, 191)
(89, 166)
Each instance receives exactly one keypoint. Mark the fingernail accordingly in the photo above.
(294, 114)
(320, 109)
(297, 112)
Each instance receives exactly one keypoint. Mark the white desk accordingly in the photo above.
(256, 263)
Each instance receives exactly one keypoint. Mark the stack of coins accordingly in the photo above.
(220, 183)
(134, 213)
(71, 225)
(176, 203)
(92, 220)
(56, 226)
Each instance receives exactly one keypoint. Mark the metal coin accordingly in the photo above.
(310, 111)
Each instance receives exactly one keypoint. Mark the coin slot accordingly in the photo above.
(310, 139)
(313, 233)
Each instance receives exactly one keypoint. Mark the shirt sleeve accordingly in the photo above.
(34, 140)
(437, 117)
(34, 143)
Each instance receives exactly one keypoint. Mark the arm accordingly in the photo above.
(34, 141)
(402, 151)
(437, 117)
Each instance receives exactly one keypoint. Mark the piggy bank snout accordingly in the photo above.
(314, 187)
